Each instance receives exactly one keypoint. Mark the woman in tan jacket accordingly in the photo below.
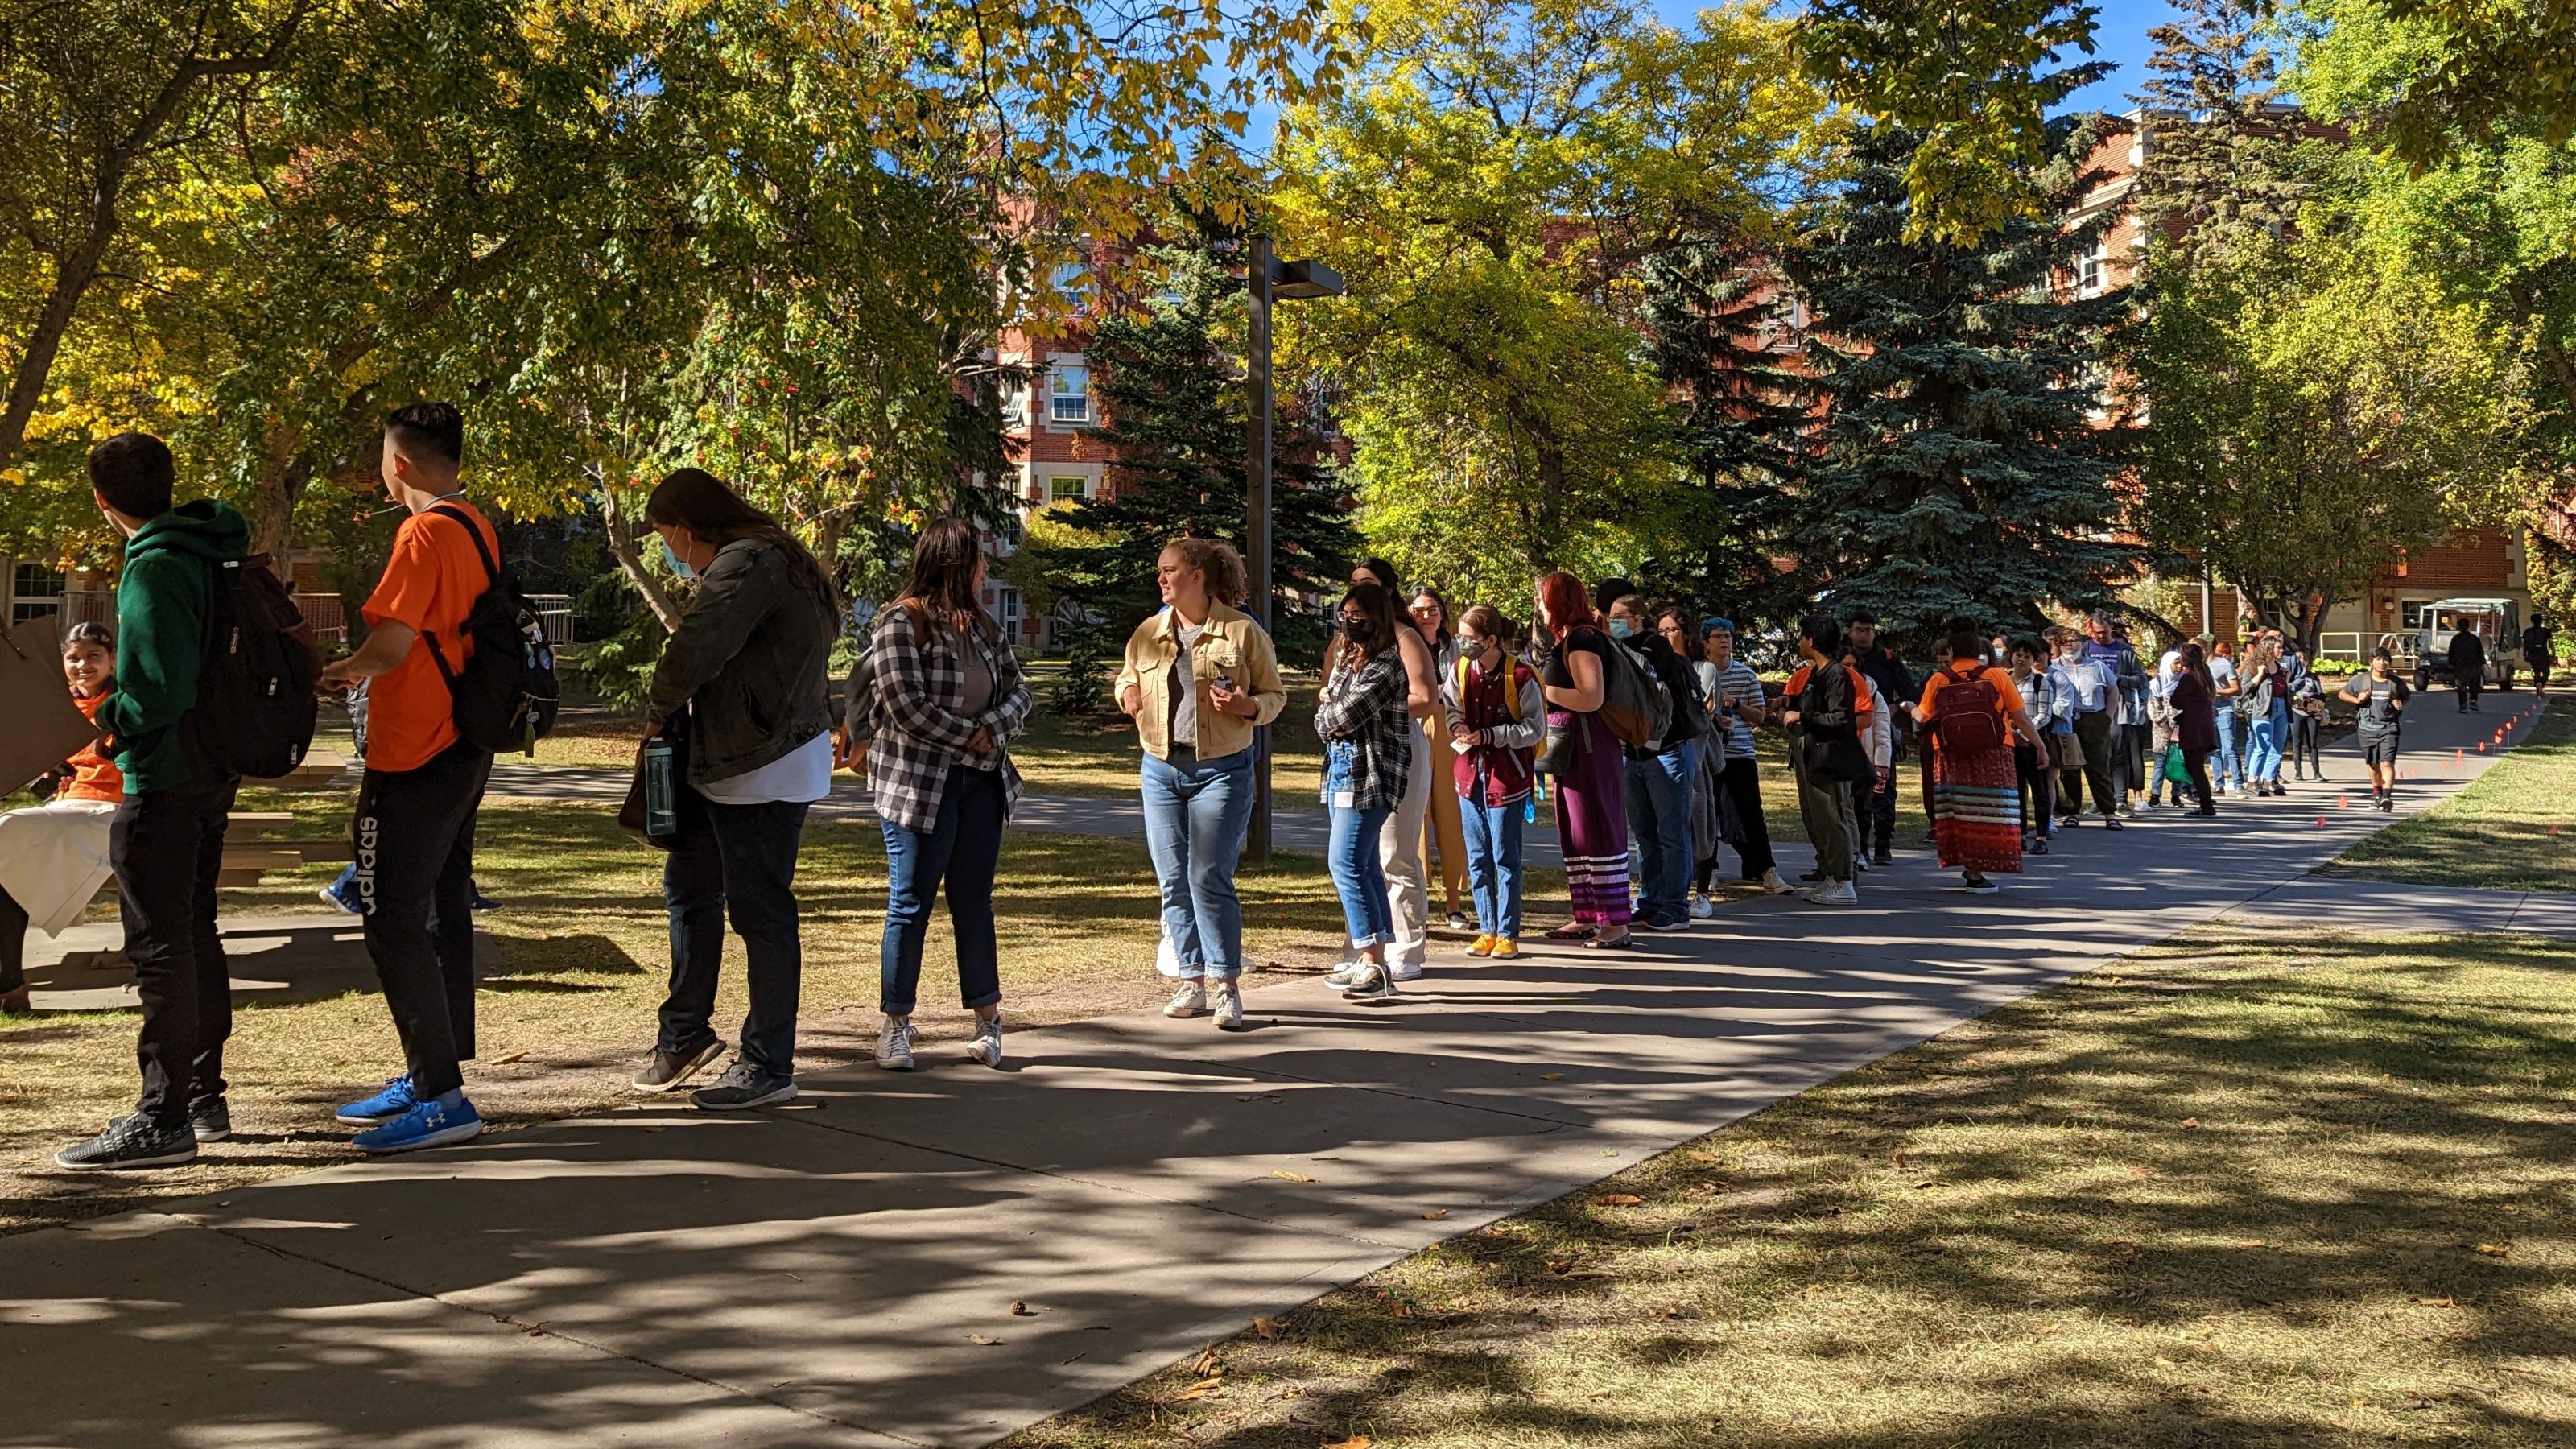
(1199, 677)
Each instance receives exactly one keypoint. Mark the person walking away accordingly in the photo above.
(935, 711)
(1400, 853)
(743, 674)
(1200, 676)
(1889, 679)
(2049, 715)
(2095, 692)
(2307, 703)
(2539, 652)
(423, 783)
(1829, 708)
(1972, 715)
(166, 838)
(2378, 698)
(2468, 659)
(2260, 706)
(1585, 761)
(2197, 712)
(1429, 613)
(1496, 715)
(54, 856)
(1739, 706)
(1364, 717)
(1660, 774)
(2226, 688)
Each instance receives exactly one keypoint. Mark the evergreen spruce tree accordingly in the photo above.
(1962, 469)
(2222, 164)
(1176, 416)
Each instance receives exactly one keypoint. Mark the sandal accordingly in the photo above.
(1574, 931)
(1622, 944)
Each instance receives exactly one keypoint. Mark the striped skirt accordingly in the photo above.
(1976, 811)
(1592, 825)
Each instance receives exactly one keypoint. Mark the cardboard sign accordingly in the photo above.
(45, 727)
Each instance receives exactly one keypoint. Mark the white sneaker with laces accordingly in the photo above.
(1190, 1000)
(1348, 973)
(1835, 893)
(1772, 885)
(986, 1045)
(894, 1045)
(1229, 1006)
(1703, 909)
(1376, 986)
(1404, 970)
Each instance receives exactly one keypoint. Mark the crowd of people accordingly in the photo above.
(1444, 735)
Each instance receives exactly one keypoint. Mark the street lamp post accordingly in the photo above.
(1267, 280)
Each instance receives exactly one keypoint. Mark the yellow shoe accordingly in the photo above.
(1484, 946)
(1504, 948)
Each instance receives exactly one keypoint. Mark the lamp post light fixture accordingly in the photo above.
(1267, 279)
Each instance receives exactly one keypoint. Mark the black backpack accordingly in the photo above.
(505, 694)
(255, 702)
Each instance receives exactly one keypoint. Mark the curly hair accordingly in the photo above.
(1217, 559)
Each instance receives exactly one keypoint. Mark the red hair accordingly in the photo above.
(1566, 601)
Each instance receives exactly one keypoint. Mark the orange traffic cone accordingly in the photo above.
(2343, 802)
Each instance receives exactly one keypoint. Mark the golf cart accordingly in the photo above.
(2496, 621)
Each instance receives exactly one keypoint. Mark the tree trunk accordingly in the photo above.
(625, 547)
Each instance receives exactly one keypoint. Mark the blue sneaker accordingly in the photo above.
(343, 892)
(434, 1123)
(396, 1099)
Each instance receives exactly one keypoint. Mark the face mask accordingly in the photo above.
(679, 565)
(1621, 629)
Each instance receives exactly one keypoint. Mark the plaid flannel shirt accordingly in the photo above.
(905, 698)
(1365, 709)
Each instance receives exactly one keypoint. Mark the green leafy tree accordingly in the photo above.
(1962, 467)
(2223, 157)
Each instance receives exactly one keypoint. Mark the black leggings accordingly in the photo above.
(2195, 763)
(2303, 744)
(2038, 792)
(13, 944)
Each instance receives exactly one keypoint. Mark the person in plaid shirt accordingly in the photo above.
(1368, 762)
(932, 707)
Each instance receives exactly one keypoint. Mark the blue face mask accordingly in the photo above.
(1621, 629)
(678, 564)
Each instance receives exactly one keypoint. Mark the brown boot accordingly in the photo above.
(14, 1003)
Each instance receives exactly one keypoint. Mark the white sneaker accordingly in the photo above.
(1190, 1000)
(1835, 893)
(1375, 986)
(1349, 973)
(1405, 970)
(986, 1047)
(894, 1045)
(1229, 1006)
(1703, 909)
(1772, 885)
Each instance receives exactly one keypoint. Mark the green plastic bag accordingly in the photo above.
(2175, 770)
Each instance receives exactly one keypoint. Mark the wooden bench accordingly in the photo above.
(247, 858)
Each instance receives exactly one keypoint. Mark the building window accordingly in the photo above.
(1072, 282)
(1068, 490)
(2088, 271)
(2410, 614)
(1006, 610)
(34, 591)
(1015, 399)
(1069, 395)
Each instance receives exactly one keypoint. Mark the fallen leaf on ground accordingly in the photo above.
(1186, 1395)
(985, 1339)
(1436, 1215)
(1356, 1441)
(2191, 1122)
(1266, 1328)
(1561, 1265)
(1022, 1310)
(1205, 1363)
(1404, 1310)
(2495, 1250)
(512, 1057)
(1204, 1385)
(1551, 1076)
(2164, 1363)
(1285, 1175)
(2439, 1302)
(1617, 1199)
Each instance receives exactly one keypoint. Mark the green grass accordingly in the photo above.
(2234, 1192)
(2502, 832)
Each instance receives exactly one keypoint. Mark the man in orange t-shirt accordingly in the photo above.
(423, 785)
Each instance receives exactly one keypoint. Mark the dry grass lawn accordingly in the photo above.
(2502, 832)
(2233, 1192)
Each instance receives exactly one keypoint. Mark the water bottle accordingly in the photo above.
(661, 789)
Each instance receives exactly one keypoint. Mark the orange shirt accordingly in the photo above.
(430, 585)
(94, 775)
(2008, 701)
(1863, 702)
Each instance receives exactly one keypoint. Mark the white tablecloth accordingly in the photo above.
(53, 858)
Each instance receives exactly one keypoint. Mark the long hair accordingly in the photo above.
(942, 582)
(1448, 621)
(2259, 658)
(1379, 606)
(2196, 659)
(1564, 603)
(698, 501)
(1223, 566)
(1384, 572)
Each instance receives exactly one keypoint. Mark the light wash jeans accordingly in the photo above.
(1494, 861)
(2229, 768)
(1659, 794)
(1195, 814)
(2263, 756)
(1357, 876)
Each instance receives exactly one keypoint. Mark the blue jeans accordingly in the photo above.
(961, 851)
(1195, 816)
(2225, 759)
(1357, 876)
(1659, 800)
(2263, 757)
(737, 860)
(1494, 861)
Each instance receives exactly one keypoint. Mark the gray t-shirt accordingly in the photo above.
(1185, 696)
(2377, 707)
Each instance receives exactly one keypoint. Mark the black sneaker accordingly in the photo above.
(743, 1086)
(209, 1120)
(665, 1071)
(1882, 856)
(131, 1142)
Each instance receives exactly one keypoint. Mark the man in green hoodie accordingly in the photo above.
(167, 841)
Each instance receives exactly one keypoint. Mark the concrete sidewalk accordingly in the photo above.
(937, 1259)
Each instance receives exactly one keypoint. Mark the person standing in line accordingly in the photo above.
(1400, 851)
(1972, 717)
(1586, 763)
(2225, 689)
(2160, 736)
(2539, 653)
(2306, 699)
(1365, 720)
(1835, 748)
(2049, 715)
(1660, 775)
(2259, 701)
(166, 838)
(1738, 705)
(54, 856)
(1890, 680)
(745, 670)
(2378, 697)
(1496, 715)
(423, 783)
(1708, 776)
(2467, 656)
(2109, 643)
(935, 708)
(1429, 613)
(2095, 694)
(1200, 676)
(2196, 716)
